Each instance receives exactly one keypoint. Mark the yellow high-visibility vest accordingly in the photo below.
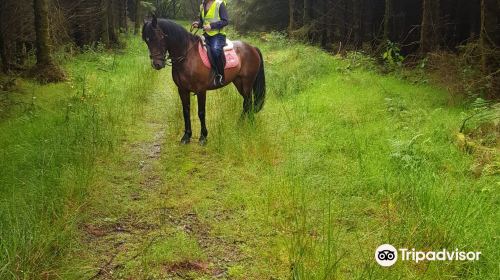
(212, 16)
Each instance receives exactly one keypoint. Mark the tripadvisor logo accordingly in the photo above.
(386, 255)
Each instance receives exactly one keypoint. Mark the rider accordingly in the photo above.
(213, 19)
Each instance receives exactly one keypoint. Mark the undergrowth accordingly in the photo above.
(341, 160)
(51, 136)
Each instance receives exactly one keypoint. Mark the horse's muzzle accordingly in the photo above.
(158, 61)
(158, 65)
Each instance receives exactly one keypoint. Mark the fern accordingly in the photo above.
(483, 112)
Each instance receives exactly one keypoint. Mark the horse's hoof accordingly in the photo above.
(185, 141)
(203, 141)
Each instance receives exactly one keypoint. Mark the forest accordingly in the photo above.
(399, 29)
(42, 27)
(410, 28)
(381, 125)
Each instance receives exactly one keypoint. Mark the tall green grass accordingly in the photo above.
(49, 145)
(342, 160)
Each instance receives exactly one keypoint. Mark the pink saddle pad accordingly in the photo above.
(232, 59)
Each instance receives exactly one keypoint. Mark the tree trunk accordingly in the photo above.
(119, 4)
(138, 17)
(291, 13)
(323, 6)
(345, 22)
(388, 19)
(357, 22)
(123, 16)
(43, 52)
(46, 71)
(429, 28)
(338, 19)
(105, 22)
(113, 38)
(307, 12)
(3, 55)
(329, 22)
(489, 40)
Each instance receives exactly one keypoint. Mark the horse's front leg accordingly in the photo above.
(202, 98)
(186, 111)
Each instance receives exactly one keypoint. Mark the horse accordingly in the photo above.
(167, 40)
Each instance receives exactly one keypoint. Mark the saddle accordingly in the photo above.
(232, 60)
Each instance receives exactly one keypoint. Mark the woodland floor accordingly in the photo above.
(155, 230)
(342, 159)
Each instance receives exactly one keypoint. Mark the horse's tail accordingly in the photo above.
(259, 86)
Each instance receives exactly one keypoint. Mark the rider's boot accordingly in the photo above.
(219, 75)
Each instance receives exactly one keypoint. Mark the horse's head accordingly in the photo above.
(155, 38)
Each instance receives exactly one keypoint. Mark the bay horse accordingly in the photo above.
(168, 40)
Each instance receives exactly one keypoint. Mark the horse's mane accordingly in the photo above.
(175, 32)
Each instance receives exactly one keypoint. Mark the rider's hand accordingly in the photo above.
(207, 28)
(195, 24)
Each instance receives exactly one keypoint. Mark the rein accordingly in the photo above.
(192, 28)
(171, 61)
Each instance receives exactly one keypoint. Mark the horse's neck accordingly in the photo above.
(185, 53)
(175, 51)
(178, 50)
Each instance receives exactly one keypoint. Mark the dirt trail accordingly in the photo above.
(129, 184)
(132, 217)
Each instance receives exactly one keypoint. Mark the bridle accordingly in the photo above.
(167, 57)
(159, 55)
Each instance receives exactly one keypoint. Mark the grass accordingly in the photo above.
(341, 160)
(49, 144)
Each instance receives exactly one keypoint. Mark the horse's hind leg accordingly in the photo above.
(186, 111)
(202, 98)
(245, 89)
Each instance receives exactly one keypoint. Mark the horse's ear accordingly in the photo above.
(154, 21)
